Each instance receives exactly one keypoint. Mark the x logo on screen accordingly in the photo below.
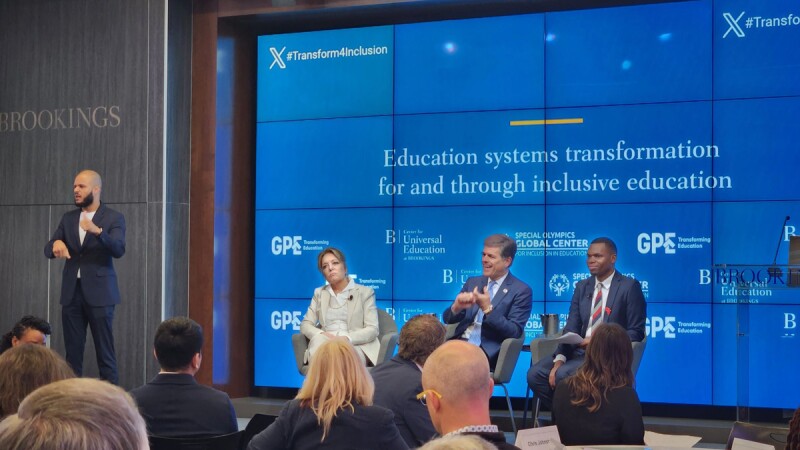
(733, 25)
(277, 55)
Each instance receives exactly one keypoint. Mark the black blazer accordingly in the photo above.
(397, 383)
(296, 428)
(617, 422)
(175, 405)
(93, 258)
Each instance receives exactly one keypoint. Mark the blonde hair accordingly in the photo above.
(75, 414)
(337, 379)
(25, 368)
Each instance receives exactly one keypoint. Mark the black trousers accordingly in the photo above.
(74, 318)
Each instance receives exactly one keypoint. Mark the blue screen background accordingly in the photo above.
(670, 128)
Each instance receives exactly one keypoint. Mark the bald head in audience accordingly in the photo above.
(459, 372)
(75, 414)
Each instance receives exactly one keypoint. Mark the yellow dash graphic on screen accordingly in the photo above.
(527, 123)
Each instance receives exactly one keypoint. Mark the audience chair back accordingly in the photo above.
(775, 436)
(387, 336)
(223, 442)
(257, 424)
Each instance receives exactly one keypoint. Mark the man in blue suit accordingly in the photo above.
(87, 239)
(495, 306)
(606, 297)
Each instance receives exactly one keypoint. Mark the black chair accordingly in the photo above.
(775, 436)
(257, 424)
(223, 442)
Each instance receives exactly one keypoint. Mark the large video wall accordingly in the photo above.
(671, 128)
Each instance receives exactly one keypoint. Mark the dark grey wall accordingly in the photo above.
(82, 85)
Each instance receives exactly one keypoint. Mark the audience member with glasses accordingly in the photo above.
(341, 308)
(333, 409)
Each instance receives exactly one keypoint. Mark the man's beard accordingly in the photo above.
(88, 200)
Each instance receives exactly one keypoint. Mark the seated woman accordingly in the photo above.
(29, 330)
(25, 368)
(333, 409)
(342, 308)
(598, 405)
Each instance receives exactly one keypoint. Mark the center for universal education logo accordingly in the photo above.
(282, 56)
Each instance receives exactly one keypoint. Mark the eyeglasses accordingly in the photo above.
(423, 396)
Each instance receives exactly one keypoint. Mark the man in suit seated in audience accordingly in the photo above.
(173, 404)
(399, 380)
(456, 389)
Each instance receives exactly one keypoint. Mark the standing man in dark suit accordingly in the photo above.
(88, 238)
(172, 403)
(606, 297)
(399, 380)
(495, 306)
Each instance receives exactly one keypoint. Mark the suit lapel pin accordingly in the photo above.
(505, 291)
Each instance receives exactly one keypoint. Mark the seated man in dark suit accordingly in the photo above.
(605, 297)
(172, 403)
(495, 306)
(399, 380)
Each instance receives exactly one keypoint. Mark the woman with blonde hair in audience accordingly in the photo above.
(598, 405)
(333, 409)
(25, 368)
(75, 414)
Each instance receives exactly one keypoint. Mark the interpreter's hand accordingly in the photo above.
(553, 371)
(89, 226)
(482, 298)
(463, 301)
(585, 342)
(60, 249)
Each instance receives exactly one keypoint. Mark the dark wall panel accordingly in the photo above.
(84, 84)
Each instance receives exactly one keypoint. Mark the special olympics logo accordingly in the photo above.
(559, 284)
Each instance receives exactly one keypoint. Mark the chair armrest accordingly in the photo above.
(300, 345)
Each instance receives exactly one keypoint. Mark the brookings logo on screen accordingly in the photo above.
(282, 56)
(417, 244)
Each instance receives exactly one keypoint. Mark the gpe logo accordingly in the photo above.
(649, 243)
(655, 324)
(282, 319)
(282, 244)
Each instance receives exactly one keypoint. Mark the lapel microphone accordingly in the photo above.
(351, 297)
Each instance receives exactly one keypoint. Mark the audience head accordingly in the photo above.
(420, 336)
(336, 379)
(25, 368)
(459, 442)
(793, 439)
(607, 365)
(75, 414)
(178, 344)
(29, 330)
(457, 386)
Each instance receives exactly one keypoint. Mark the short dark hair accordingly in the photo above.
(177, 341)
(19, 329)
(420, 336)
(508, 246)
(612, 247)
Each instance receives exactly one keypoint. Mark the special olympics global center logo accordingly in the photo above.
(559, 284)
